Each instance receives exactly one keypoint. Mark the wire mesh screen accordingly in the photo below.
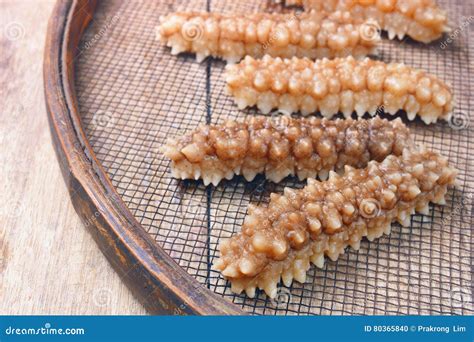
(133, 95)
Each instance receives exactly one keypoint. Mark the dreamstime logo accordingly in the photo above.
(102, 297)
(459, 120)
(460, 296)
(282, 298)
(13, 208)
(370, 30)
(102, 120)
(192, 31)
(278, 121)
(369, 208)
(14, 31)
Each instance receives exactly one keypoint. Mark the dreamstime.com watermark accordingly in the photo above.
(459, 296)
(280, 31)
(180, 310)
(454, 297)
(88, 44)
(457, 210)
(454, 34)
(47, 329)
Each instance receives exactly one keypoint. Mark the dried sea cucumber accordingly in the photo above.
(340, 84)
(422, 20)
(312, 34)
(279, 241)
(282, 146)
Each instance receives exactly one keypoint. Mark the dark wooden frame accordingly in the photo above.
(154, 277)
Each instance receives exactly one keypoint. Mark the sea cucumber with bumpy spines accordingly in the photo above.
(312, 34)
(282, 146)
(299, 227)
(422, 20)
(338, 85)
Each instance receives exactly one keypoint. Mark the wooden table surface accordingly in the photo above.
(49, 264)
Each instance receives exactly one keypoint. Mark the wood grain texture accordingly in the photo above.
(153, 275)
(49, 263)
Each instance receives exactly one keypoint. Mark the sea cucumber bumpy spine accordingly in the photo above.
(340, 84)
(422, 20)
(299, 227)
(312, 34)
(282, 146)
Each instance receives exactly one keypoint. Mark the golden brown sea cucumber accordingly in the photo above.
(422, 20)
(282, 146)
(340, 84)
(279, 241)
(312, 34)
